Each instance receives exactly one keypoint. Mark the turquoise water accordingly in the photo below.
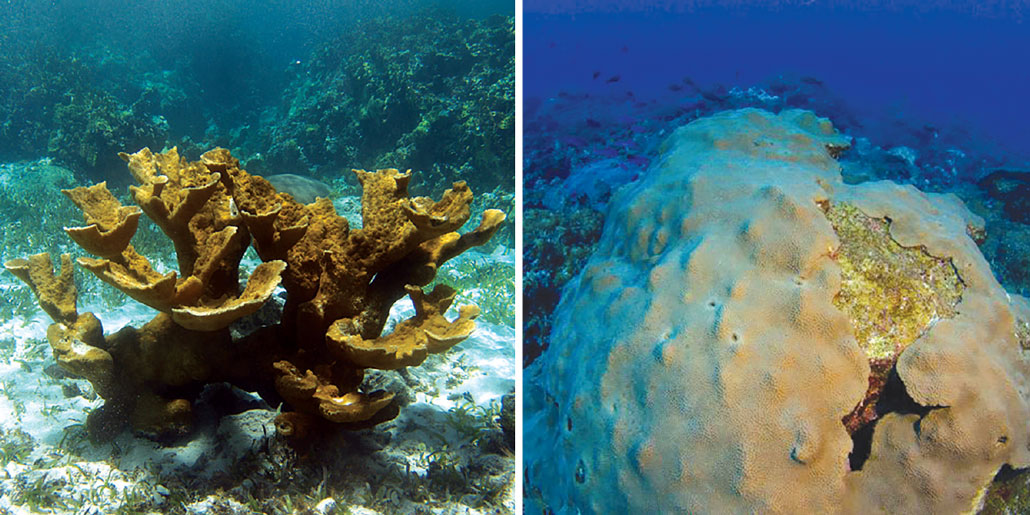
(162, 423)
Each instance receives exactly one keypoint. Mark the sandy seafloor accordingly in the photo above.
(435, 457)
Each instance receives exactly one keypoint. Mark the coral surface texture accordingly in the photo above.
(753, 335)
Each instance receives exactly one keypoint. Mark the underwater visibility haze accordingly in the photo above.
(209, 306)
(776, 257)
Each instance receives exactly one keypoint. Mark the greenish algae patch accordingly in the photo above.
(1023, 334)
(1010, 494)
(891, 293)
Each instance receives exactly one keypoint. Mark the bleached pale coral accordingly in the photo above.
(706, 357)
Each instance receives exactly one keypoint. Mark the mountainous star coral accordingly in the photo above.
(717, 351)
(340, 285)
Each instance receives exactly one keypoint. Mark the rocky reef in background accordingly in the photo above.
(721, 342)
(558, 246)
(51, 107)
(427, 90)
(385, 93)
(340, 286)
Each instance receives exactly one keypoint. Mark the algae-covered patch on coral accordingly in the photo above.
(1023, 334)
(1008, 493)
(891, 293)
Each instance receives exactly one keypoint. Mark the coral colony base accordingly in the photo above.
(340, 286)
(756, 335)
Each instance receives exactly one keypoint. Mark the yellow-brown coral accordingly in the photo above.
(56, 293)
(212, 210)
(428, 332)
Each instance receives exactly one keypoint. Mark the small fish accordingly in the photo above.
(613, 78)
(303, 189)
(624, 49)
(811, 81)
(596, 74)
(675, 87)
(593, 123)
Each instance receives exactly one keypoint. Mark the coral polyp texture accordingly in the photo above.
(748, 319)
(340, 285)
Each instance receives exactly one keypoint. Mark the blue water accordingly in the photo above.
(950, 66)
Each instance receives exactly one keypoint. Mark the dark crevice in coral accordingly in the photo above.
(893, 399)
(861, 444)
(1009, 492)
(1006, 472)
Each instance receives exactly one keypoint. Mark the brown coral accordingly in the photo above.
(428, 332)
(212, 210)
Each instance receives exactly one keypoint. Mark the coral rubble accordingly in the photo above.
(340, 284)
(748, 318)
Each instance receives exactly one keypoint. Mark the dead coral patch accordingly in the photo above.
(1023, 334)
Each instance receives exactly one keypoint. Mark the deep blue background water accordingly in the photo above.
(955, 65)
